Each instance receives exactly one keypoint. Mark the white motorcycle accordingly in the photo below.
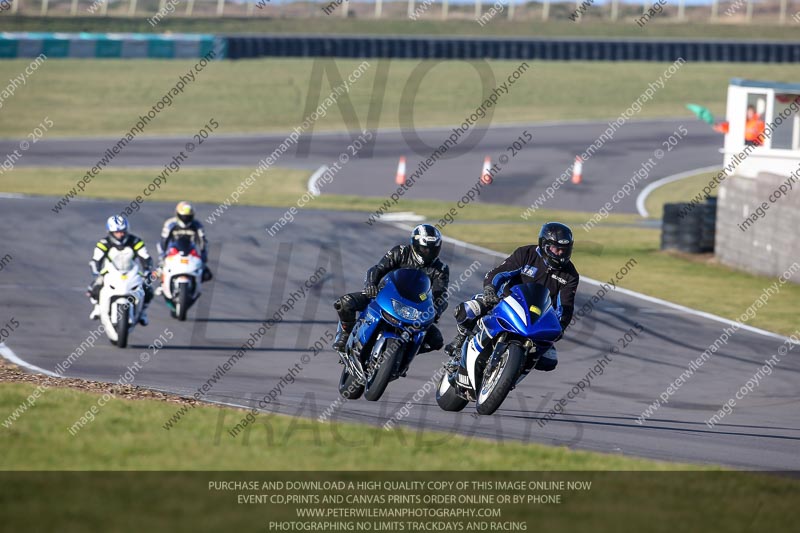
(181, 277)
(121, 297)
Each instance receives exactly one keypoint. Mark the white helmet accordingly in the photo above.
(115, 224)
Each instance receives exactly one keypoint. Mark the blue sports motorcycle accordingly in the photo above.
(501, 350)
(387, 334)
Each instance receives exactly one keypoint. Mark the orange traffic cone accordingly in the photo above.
(486, 174)
(400, 178)
(577, 170)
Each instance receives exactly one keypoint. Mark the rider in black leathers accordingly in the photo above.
(547, 264)
(422, 254)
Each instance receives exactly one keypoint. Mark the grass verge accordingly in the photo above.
(677, 191)
(128, 435)
(693, 281)
(48, 483)
(106, 97)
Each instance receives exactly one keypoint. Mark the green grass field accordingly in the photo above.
(128, 435)
(106, 97)
(600, 253)
(677, 191)
(499, 26)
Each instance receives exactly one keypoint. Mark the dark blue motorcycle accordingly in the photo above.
(502, 348)
(387, 335)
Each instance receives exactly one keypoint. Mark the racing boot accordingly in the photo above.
(454, 348)
(93, 293)
(343, 333)
(143, 320)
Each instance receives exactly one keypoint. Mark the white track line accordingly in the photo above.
(312, 181)
(402, 216)
(640, 200)
(627, 292)
(6, 352)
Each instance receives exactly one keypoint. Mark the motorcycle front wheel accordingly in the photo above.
(122, 325)
(499, 380)
(380, 375)
(182, 301)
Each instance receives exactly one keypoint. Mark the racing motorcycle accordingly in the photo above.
(181, 276)
(387, 334)
(500, 351)
(121, 297)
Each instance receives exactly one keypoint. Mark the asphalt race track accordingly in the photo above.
(43, 289)
(371, 172)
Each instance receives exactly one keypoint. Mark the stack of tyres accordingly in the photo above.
(691, 230)
(709, 210)
(670, 226)
(689, 227)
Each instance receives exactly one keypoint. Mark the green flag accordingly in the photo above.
(702, 113)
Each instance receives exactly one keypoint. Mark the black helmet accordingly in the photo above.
(426, 242)
(555, 244)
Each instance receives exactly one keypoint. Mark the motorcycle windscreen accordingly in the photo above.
(406, 295)
(528, 311)
(184, 245)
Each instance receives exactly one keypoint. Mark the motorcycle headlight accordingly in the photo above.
(390, 319)
(406, 312)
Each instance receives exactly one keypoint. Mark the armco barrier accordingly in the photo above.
(141, 45)
(109, 45)
(402, 47)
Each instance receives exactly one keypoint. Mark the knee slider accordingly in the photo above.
(344, 303)
(467, 312)
(434, 338)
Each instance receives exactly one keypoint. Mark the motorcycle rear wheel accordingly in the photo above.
(349, 387)
(447, 398)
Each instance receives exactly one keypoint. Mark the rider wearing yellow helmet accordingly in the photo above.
(184, 224)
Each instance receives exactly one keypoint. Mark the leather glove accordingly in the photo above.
(490, 295)
(370, 290)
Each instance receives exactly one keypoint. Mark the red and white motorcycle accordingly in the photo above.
(122, 297)
(181, 276)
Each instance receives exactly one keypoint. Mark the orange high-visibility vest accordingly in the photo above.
(753, 129)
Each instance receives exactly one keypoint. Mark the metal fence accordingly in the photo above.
(726, 12)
